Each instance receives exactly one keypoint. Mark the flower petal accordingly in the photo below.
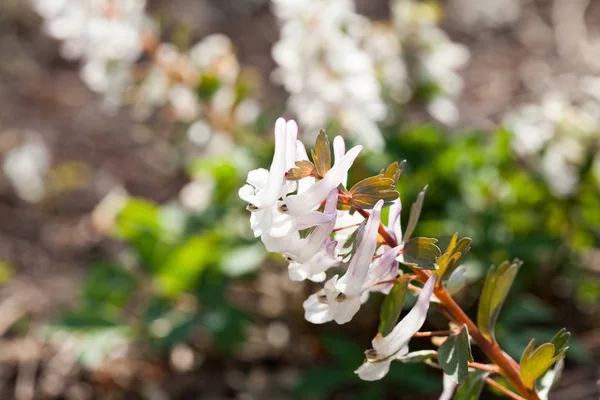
(315, 311)
(408, 326)
(339, 149)
(373, 371)
(394, 219)
(358, 269)
(272, 190)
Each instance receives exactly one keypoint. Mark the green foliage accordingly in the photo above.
(536, 361)
(472, 387)
(421, 253)
(392, 306)
(415, 213)
(321, 154)
(366, 193)
(454, 356)
(496, 287)
(448, 261)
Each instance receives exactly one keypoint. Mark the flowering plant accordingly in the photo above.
(304, 210)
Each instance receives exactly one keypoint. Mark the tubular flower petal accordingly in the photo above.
(386, 349)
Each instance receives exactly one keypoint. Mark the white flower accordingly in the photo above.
(384, 269)
(340, 299)
(310, 199)
(325, 70)
(264, 187)
(395, 345)
(309, 257)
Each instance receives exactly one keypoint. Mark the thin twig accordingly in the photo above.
(433, 333)
(485, 367)
(504, 390)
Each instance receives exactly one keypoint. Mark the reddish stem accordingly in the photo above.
(433, 333)
(504, 390)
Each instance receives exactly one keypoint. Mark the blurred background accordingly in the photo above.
(127, 266)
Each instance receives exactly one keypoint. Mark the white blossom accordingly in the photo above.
(395, 345)
(325, 70)
(340, 299)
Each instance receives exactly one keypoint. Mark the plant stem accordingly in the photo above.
(504, 390)
(433, 333)
(506, 365)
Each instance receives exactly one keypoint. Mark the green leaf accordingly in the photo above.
(394, 171)
(351, 244)
(496, 288)
(454, 356)
(418, 356)
(449, 260)
(186, 264)
(366, 193)
(321, 154)
(421, 253)
(303, 169)
(471, 389)
(534, 363)
(560, 341)
(392, 307)
(415, 213)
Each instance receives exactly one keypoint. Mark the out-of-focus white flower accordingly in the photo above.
(26, 166)
(196, 195)
(435, 58)
(324, 68)
(395, 345)
(555, 136)
(105, 35)
(184, 103)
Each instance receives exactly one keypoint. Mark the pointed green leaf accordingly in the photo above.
(349, 247)
(394, 171)
(496, 288)
(534, 363)
(392, 307)
(302, 169)
(454, 356)
(366, 193)
(449, 260)
(471, 389)
(560, 341)
(321, 154)
(421, 253)
(415, 213)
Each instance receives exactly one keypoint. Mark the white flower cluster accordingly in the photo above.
(432, 58)
(325, 70)
(104, 34)
(558, 135)
(109, 37)
(338, 65)
(283, 211)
